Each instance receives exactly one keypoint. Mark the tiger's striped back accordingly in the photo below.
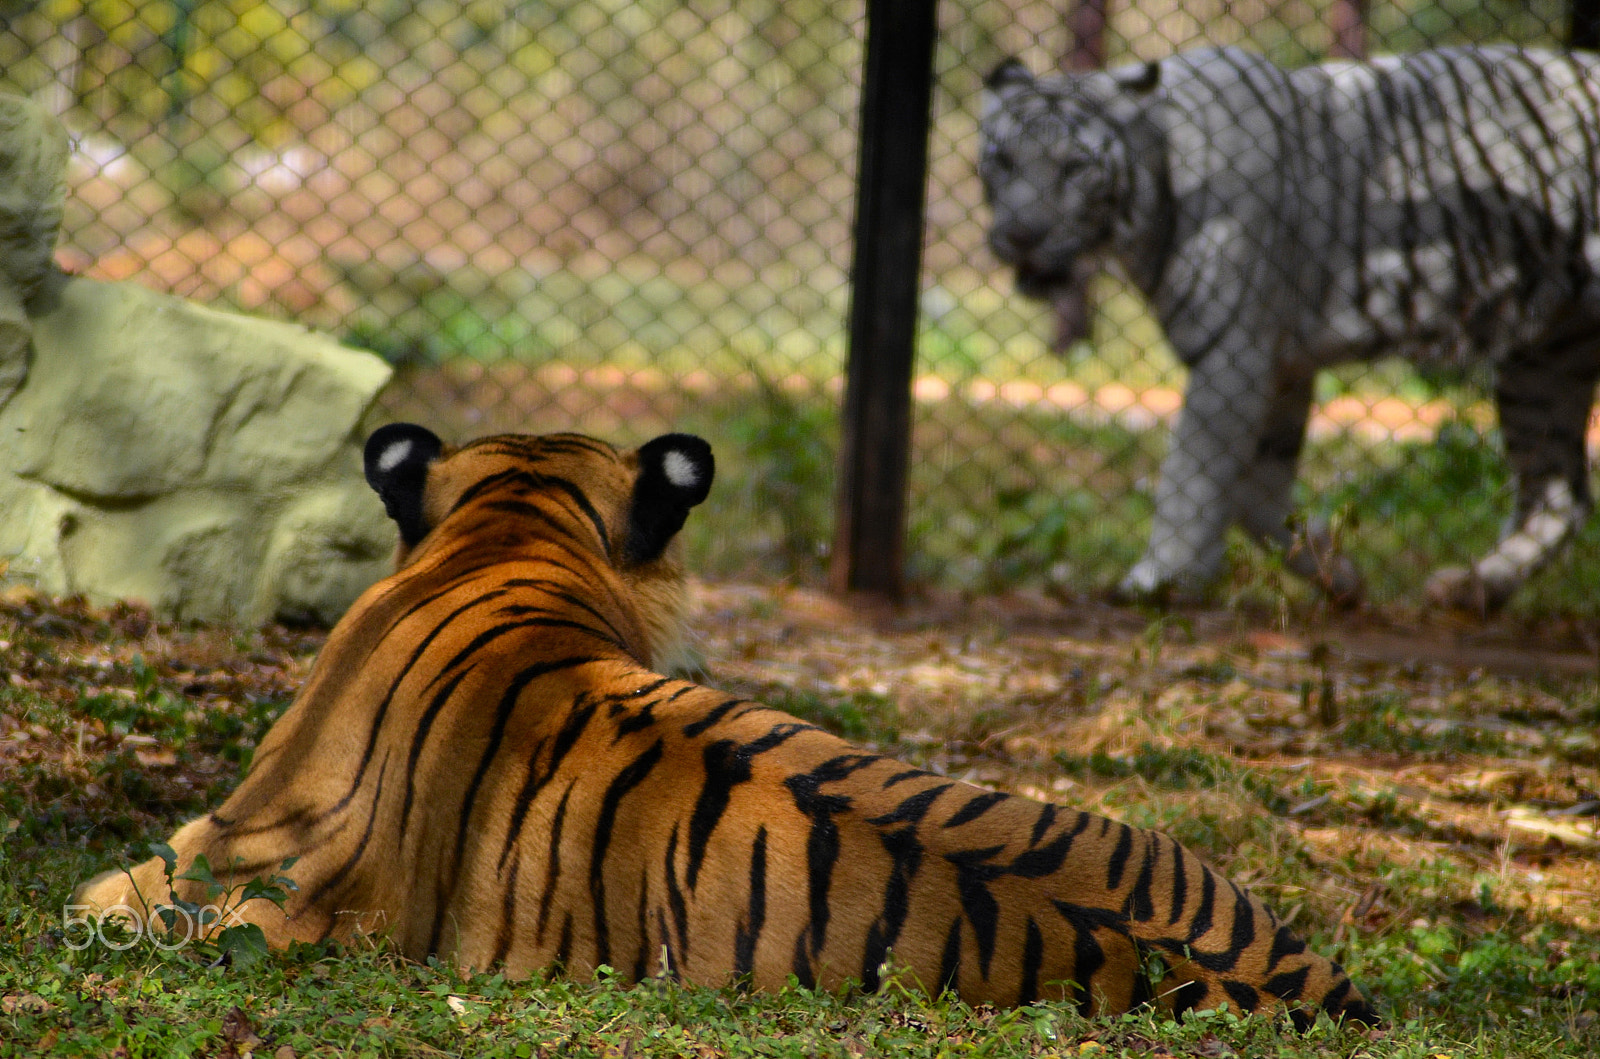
(485, 765)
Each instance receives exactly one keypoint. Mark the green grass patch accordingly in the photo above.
(1523, 976)
(631, 314)
(1385, 722)
(1180, 768)
(860, 717)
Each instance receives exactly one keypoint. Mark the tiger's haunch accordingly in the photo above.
(485, 765)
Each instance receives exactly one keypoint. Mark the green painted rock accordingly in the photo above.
(33, 187)
(205, 463)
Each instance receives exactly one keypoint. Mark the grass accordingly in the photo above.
(861, 717)
(319, 1000)
(1380, 837)
(316, 1001)
(1181, 768)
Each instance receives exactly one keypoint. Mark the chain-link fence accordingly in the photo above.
(628, 217)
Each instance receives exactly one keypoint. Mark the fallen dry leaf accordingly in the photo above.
(24, 1004)
(240, 1039)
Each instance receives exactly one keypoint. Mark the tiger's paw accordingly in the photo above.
(1461, 591)
(106, 890)
(1150, 584)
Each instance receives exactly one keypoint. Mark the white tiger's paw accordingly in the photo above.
(1151, 582)
(1146, 581)
(1460, 589)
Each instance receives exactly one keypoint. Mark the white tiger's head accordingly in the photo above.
(1056, 164)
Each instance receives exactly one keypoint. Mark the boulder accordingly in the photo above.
(203, 462)
(33, 187)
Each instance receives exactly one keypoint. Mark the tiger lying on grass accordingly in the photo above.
(486, 766)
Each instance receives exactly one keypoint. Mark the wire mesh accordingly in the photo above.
(628, 217)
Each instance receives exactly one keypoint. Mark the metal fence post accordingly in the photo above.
(896, 93)
(1584, 31)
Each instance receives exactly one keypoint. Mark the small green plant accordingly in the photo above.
(1034, 532)
(239, 942)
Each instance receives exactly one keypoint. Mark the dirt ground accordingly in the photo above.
(1396, 742)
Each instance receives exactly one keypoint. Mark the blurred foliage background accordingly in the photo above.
(628, 217)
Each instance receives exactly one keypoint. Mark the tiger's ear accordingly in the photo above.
(397, 458)
(1007, 72)
(675, 472)
(1138, 78)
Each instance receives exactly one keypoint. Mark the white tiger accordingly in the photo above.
(1440, 205)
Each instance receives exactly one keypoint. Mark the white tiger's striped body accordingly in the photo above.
(1443, 206)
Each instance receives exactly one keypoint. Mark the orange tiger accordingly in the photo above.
(486, 765)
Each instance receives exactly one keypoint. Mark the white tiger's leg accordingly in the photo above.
(1544, 397)
(1217, 437)
(1265, 502)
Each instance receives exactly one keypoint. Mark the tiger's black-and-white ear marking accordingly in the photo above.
(397, 458)
(1138, 78)
(1008, 72)
(675, 472)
